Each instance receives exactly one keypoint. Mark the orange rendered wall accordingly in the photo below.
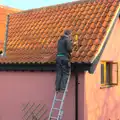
(4, 11)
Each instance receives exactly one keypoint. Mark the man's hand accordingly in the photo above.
(75, 43)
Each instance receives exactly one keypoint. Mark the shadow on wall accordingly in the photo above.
(33, 111)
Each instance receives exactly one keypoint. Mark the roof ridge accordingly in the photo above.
(56, 5)
(62, 4)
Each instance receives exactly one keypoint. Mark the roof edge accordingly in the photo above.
(6, 36)
(110, 28)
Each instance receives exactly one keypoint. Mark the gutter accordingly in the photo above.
(39, 67)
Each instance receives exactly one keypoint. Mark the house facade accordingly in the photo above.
(27, 69)
(102, 98)
(4, 11)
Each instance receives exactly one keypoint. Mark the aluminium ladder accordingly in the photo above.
(60, 113)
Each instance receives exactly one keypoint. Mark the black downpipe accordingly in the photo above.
(76, 94)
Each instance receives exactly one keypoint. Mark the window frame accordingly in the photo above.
(105, 75)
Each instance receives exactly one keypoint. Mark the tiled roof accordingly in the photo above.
(33, 34)
(4, 11)
(1, 45)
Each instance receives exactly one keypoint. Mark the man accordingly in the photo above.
(63, 57)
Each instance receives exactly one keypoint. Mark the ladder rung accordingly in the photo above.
(56, 108)
(63, 91)
(58, 100)
(54, 118)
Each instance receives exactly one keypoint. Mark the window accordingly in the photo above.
(109, 73)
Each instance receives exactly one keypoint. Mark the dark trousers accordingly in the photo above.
(62, 72)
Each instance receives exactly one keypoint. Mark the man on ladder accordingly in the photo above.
(63, 65)
(63, 69)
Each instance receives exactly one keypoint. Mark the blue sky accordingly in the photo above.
(29, 4)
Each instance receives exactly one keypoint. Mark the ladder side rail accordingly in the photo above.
(53, 103)
(64, 95)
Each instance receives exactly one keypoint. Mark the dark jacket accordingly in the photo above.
(64, 46)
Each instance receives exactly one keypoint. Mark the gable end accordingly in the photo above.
(97, 58)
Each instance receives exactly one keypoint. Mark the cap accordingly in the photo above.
(67, 32)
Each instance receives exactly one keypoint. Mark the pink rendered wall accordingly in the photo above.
(19, 88)
(104, 104)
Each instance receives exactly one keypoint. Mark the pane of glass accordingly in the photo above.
(114, 73)
(102, 73)
(108, 73)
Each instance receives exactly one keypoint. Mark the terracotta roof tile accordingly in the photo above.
(33, 34)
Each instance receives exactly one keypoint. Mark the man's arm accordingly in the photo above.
(69, 45)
